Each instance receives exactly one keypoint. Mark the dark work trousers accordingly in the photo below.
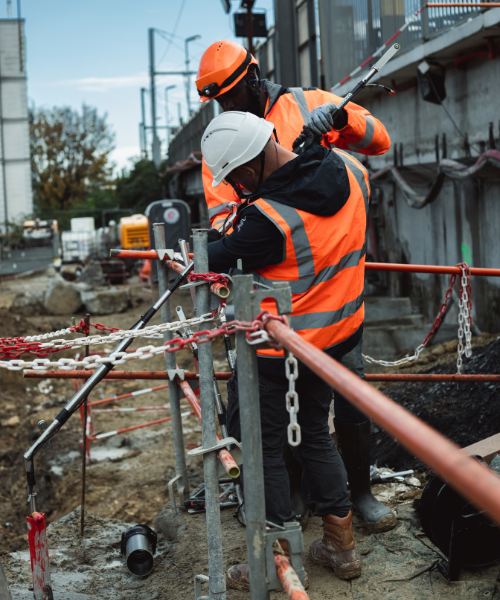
(344, 411)
(324, 479)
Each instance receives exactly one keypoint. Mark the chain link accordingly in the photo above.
(464, 323)
(464, 316)
(292, 400)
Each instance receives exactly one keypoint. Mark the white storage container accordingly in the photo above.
(83, 224)
(78, 246)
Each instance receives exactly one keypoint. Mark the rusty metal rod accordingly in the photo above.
(431, 377)
(442, 270)
(469, 478)
(120, 375)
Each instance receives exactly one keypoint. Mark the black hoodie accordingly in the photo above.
(315, 182)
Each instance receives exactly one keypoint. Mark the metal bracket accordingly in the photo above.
(198, 580)
(175, 373)
(171, 493)
(221, 444)
(292, 532)
(168, 253)
(280, 291)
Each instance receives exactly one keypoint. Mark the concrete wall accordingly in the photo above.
(463, 223)
(16, 198)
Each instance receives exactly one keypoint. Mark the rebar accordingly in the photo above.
(170, 360)
(84, 447)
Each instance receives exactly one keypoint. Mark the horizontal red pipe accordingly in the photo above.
(129, 395)
(118, 431)
(120, 375)
(430, 377)
(468, 477)
(461, 4)
(443, 270)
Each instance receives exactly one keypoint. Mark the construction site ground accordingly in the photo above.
(127, 480)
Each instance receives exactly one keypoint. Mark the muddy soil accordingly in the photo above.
(127, 480)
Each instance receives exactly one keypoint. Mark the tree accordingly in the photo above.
(141, 186)
(69, 154)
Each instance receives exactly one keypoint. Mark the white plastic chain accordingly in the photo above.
(292, 400)
(114, 358)
(463, 323)
(395, 363)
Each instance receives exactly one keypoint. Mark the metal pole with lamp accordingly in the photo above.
(188, 78)
(169, 87)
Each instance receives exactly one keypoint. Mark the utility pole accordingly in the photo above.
(248, 4)
(167, 119)
(179, 111)
(144, 145)
(188, 78)
(155, 146)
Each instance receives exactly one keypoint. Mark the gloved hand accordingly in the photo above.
(214, 235)
(321, 121)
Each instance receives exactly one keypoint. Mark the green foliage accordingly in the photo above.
(69, 155)
(141, 186)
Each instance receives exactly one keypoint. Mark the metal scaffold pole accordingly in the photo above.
(251, 438)
(173, 387)
(217, 583)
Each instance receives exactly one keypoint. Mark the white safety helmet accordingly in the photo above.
(233, 139)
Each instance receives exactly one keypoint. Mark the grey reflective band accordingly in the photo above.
(212, 212)
(300, 99)
(367, 138)
(325, 319)
(306, 282)
(358, 171)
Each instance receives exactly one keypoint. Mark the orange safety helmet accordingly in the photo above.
(222, 65)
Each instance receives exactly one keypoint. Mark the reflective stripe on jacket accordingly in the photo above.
(288, 109)
(324, 263)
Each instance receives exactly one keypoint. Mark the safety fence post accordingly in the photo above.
(251, 439)
(217, 582)
(173, 387)
(260, 539)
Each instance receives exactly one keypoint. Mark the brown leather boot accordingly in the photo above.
(337, 550)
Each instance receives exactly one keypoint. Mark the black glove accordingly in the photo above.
(214, 235)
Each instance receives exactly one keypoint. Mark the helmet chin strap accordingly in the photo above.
(255, 194)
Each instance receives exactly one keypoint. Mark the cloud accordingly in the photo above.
(122, 154)
(105, 84)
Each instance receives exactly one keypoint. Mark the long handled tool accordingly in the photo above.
(307, 137)
(88, 386)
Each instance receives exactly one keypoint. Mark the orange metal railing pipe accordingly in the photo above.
(225, 457)
(471, 479)
(216, 288)
(462, 4)
(441, 270)
(152, 375)
(392, 377)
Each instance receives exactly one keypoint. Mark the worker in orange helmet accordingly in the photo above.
(229, 74)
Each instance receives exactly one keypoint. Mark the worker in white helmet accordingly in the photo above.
(303, 221)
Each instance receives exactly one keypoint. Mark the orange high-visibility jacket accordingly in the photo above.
(289, 112)
(324, 264)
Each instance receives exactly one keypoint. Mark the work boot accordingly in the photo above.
(237, 576)
(337, 550)
(354, 442)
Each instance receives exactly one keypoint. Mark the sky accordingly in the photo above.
(96, 52)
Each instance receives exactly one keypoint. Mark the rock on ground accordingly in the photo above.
(106, 301)
(29, 303)
(61, 298)
(93, 274)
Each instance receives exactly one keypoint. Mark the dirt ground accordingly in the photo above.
(127, 484)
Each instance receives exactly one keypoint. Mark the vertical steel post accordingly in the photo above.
(144, 126)
(173, 387)
(251, 439)
(155, 146)
(217, 583)
(84, 450)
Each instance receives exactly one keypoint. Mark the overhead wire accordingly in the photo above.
(174, 30)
